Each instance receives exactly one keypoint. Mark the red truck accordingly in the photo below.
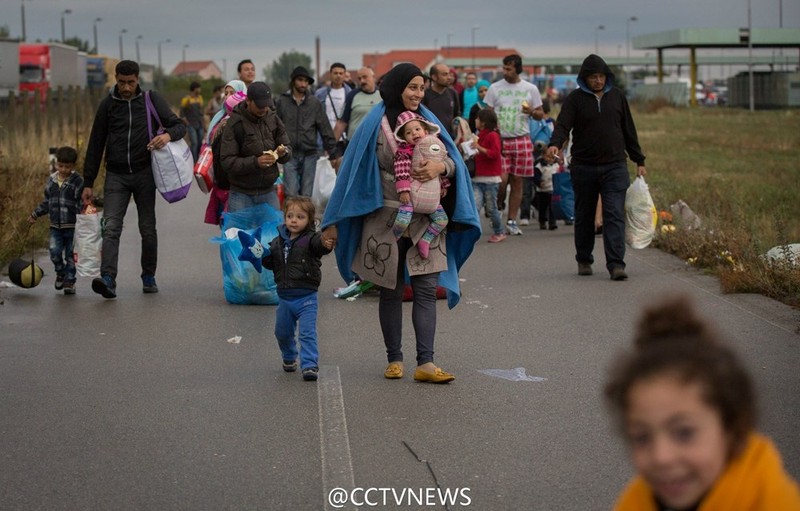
(49, 66)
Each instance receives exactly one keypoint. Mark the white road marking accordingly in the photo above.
(337, 466)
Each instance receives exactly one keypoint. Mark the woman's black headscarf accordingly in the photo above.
(392, 87)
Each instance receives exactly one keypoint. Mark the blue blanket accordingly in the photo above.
(358, 193)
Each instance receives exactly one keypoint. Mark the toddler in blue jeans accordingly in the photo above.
(62, 200)
(295, 257)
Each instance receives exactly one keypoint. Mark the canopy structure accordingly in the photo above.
(706, 38)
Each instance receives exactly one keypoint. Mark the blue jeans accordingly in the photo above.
(486, 196)
(195, 140)
(61, 242)
(590, 181)
(298, 174)
(118, 191)
(238, 201)
(300, 314)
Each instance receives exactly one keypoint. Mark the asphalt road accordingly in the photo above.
(142, 403)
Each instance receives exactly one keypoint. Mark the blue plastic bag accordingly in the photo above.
(242, 283)
(563, 201)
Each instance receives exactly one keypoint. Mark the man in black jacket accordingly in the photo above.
(254, 141)
(602, 127)
(120, 131)
(303, 117)
(441, 98)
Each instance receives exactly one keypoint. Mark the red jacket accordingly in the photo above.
(489, 163)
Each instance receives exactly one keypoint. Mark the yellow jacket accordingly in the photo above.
(754, 481)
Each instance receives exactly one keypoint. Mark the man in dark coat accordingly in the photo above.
(599, 117)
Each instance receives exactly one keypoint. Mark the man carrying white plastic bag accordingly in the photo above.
(120, 132)
(598, 118)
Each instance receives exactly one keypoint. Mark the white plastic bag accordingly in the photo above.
(88, 244)
(640, 215)
(324, 181)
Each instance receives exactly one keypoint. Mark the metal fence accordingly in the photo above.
(64, 117)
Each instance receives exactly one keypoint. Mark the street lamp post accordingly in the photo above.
(474, 29)
(22, 11)
(597, 38)
(628, 36)
(138, 57)
(183, 61)
(448, 43)
(63, 32)
(750, 56)
(96, 21)
(121, 52)
(160, 69)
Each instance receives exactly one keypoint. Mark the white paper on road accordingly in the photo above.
(236, 339)
(516, 374)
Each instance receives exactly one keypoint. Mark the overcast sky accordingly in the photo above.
(263, 29)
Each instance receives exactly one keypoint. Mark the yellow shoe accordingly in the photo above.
(438, 376)
(394, 371)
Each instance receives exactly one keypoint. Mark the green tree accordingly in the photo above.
(277, 74)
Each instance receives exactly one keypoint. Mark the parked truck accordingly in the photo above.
(9, 67)
(49, 66)
(100, 71)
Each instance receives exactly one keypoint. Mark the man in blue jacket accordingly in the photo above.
(602, 127)
(120, 131)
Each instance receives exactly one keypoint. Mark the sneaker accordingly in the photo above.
(553, 227)
(513, 229)
(618, 274)
(105, 286)
(59, 285)
(149, 284)
(393, 371)
(290, 366)
(524, 221)
(497, 238)
(438, 376)
(569, 221)
(69, 288)
(584, 269)
(310, 373)
(542, 226)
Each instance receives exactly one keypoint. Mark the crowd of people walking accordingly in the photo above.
(405, 215)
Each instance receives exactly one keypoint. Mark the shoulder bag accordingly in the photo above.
(173, 166)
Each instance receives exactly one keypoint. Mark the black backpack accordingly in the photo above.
(220, 174)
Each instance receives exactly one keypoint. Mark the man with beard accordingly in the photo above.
(442, 99)
(303, 116)
(120, 132)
